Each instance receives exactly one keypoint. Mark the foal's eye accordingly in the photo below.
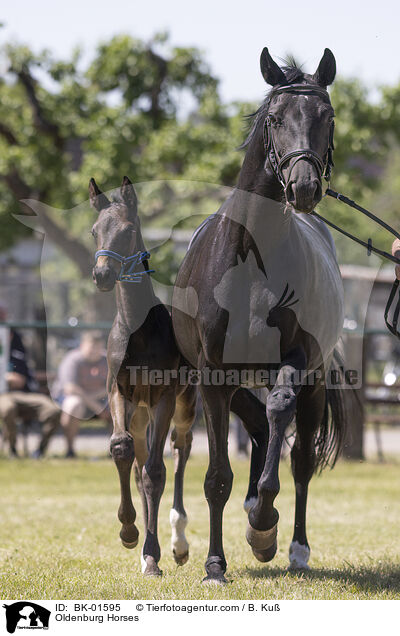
(93, 233)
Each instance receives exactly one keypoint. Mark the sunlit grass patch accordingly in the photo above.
(60, 536)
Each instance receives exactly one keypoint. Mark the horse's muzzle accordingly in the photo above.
(304, 195)
(104, 277)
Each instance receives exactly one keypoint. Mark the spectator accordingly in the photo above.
(81, 386)
(22, 400)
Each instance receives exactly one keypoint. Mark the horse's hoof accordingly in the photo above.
(181, 559)
(266, 555)
(129, 536)
(150, 567)
(263, 542)
(215, 568)
(130, 545)
(298, 556)
(211, 580)
(179, 544)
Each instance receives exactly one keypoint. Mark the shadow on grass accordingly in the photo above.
(368, 579)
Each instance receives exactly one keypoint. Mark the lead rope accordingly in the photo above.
(371, 248)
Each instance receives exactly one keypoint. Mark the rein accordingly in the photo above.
(127, 272)
(371, 248)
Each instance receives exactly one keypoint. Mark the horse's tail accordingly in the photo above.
(331, 434)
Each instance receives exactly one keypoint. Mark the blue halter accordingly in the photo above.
(128, 264)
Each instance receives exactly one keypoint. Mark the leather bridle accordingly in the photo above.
(323, 165)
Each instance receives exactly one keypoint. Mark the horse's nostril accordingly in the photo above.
(306, 194)
(102, 277)
(290, 196)
(317, 190)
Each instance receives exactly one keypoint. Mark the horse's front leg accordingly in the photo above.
(281, 406)
(219, 477)
(181, 443)
(122, 451)
(153, 477)
(138, 428)
(310, 415)
(252, 413)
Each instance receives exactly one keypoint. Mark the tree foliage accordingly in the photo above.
(152, 111)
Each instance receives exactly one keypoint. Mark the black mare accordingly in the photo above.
(141, 341)
(270, 300)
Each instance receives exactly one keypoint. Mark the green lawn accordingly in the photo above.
(60, 536)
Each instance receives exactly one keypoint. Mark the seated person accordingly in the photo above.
(22, 400)
(81, 386)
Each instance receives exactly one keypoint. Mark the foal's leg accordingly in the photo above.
(281, 405)
(122, 451)
(181, 443)
(311, 409)
(154, 481)
(252, 413)
(219, 477)
(138, 429)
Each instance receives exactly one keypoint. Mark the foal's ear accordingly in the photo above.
(270, 70)
(98, 199)
(128, 195)
(326, 71)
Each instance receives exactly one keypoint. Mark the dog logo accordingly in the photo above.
(26, 615)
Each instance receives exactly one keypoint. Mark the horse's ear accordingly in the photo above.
(98, 199)
(326, 71)
(270, 70)
(128, 195)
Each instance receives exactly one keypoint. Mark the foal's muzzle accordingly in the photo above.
(104, 277)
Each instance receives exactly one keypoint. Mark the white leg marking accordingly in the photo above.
(249, 503)
(298, 556)
(178, 522)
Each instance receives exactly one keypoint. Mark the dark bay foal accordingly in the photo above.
(141, 338)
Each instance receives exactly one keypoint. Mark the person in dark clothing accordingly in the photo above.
(22, 399)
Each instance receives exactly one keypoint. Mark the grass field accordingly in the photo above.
(60, 536)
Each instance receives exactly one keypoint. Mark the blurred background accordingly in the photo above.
(160, 92)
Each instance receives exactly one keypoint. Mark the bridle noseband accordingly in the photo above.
(323, 165)
(128, 264)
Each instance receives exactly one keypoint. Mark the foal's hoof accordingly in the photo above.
(129, 536)
(263, 543)
(180, 559)
(179, 545)
(150, 567)
(298, 556)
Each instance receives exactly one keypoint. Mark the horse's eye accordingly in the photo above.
(93, 233)
(274, 121)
